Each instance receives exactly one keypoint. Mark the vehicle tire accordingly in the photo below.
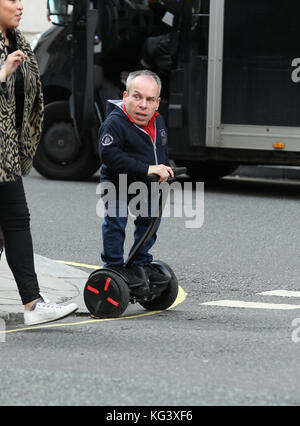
(106, 294)
(208, 172)
(167, 297)
(60, 155)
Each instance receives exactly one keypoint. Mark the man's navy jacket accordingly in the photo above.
(125, 148)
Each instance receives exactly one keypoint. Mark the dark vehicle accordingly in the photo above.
(230, 77)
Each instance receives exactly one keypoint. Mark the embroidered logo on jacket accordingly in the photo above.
(107, 140)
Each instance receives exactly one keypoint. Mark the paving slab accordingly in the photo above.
(58, 282)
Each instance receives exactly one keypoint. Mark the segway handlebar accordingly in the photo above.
(178, 171)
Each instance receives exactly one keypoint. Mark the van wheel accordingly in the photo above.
(60, 155)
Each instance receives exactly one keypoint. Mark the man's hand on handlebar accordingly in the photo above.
(164, 172)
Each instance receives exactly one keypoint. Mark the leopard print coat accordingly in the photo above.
(18, 147)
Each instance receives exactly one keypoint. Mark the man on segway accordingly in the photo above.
(133, 142)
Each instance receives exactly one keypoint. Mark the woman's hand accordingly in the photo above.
(11, 64)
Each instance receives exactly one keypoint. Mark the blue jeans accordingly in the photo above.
(113, 236)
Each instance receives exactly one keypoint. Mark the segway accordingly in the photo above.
(107, 293)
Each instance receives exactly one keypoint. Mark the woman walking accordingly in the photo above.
(21, 119)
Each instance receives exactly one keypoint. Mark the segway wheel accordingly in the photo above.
(168, 296)
(106, 294)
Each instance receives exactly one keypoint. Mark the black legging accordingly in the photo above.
(15, 223)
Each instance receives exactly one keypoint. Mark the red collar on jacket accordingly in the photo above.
(150, 129)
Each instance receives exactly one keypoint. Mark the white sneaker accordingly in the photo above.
(48, 311)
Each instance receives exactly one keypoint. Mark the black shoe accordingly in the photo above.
(155, 277)
(138, 286)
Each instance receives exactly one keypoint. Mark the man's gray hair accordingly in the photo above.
(139, 73)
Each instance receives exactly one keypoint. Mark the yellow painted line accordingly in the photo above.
(67, 324)
(83, 265)
(180, 298)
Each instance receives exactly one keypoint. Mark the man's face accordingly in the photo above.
(10, 13)
(142, 100)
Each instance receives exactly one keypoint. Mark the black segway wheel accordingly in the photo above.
(168, 296)
(106, 294)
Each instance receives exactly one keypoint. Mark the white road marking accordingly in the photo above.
(281, 293)
(251, 305)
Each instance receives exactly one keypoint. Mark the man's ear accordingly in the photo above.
(125, 94)
(158, 102)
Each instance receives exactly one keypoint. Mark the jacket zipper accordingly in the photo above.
(152, 143)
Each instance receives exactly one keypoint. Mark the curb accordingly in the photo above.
(10, 318)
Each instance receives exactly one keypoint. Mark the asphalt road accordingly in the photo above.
(195, 354)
